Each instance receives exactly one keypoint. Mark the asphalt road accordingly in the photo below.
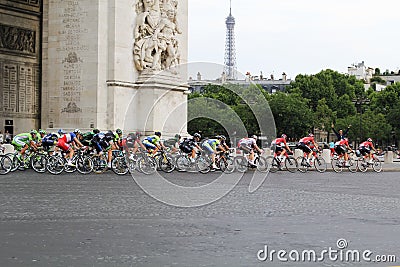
(106, 220)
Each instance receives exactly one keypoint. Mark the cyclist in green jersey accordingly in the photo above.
(23, 141)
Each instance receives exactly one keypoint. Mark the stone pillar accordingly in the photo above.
(298, 153)
(388, 157)
(326, 155)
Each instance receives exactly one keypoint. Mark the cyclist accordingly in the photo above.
(281, 146)
(341, 148)
(247, 145)
(23, 141)
(153, 142)
(365, 149)
(49, 140)
(131, 143)
(211, 146)
(173, 143)
(66, 141)
(88, 136)
(306, 144)
(117, 142)
(223, 143)
(189, 145)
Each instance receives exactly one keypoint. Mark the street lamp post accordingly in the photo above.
(358, 102)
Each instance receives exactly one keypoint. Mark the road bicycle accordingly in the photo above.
(282, 162)
(242, 163)
(316, 162)
(5, 162)
(338, 163)
(225, 162)
(164, 161)
(364, 163)
(202, 163)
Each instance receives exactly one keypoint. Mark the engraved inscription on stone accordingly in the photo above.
(71, 35)
(17, 39)
(20, 88)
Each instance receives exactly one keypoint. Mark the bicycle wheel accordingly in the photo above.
(363, 165)
(241, 164)
(55, 165)
(337, 165)
(99, 164)
(182, 163)
(273, 164)
(320, 164)
(5, 164)
(38, 162)
(84, 164)
(353, 165)
(291, 164)
(119, 165)
(261, 163)
(377, 165)
(71, 169)
(227, 165)
(166, 164)
(203, 164)
(302, 164)
(147, 165)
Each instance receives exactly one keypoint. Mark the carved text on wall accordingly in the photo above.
(17, 39)
(20, 88)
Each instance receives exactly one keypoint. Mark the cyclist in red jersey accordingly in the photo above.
(280, 146)
(365, 148)
(341, 148)
(305, 145)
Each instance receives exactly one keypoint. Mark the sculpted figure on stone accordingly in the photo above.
(156, 46)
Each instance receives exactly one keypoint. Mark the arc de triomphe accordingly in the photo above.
(106, 64)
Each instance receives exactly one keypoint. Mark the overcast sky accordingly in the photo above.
(297, 36)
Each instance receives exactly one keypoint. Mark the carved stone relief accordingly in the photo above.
(17, 39)
(156, 45)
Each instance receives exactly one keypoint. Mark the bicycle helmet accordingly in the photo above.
(41, 131)
(77, 131)
(311, 135)
(254, 136)
(33, 132)
(369, 140)
(218, 137)
(197, 135)
(223, 137)
(284, 136)
(158, 134)
(60, 132)
(96, 131)
(119, 131)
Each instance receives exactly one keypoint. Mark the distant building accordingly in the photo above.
(361, 71)
(270, 85)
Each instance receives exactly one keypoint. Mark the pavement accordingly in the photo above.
(108, 220)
